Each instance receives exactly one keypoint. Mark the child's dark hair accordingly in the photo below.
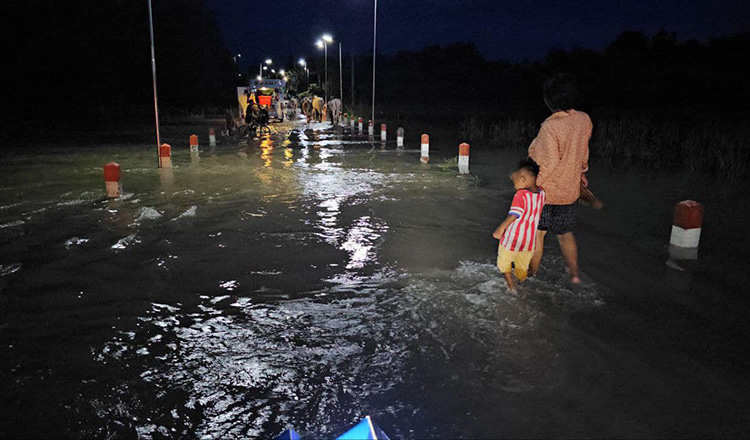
(560, 91)
(529, 165)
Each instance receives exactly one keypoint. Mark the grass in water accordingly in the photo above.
(450, 164)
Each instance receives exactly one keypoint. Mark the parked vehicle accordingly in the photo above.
(270, 93)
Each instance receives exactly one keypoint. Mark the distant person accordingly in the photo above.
(306, 106)
(244, 100)
(317, 108)
(334, 107)
(518, 232)
(252, 116)
(229, 124)
(562, 151)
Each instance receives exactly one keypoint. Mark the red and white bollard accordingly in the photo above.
(425, 148)
(383, 129)
(360, 125)
(400, 137)
(686, 230)
(371, 128)
(353, 122)
(463, 158)
(193, 143)
(112, 181)
(211, 137)
(165, 156)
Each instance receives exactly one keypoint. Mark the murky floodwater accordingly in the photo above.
(310, 278)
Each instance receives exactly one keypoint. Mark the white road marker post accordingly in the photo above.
(165, 156)
(383, 129)
(400, 137)
(686, 230)
(371, 128)
(211, 137)
(193, 143)
(425, 148)
(112, 181)
(463, 158)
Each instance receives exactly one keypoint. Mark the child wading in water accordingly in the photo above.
(517, 234)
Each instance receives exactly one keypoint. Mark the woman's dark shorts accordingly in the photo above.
(559, 219)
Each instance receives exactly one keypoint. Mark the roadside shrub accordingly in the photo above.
(645, 142)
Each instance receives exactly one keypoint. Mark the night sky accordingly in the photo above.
(501, 29)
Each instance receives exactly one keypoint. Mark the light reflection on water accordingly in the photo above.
(271, 302)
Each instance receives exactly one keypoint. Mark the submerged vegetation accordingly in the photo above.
(668, 144)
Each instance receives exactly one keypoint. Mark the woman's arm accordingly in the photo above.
(545, 152)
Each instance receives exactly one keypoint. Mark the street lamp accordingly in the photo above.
(303, 63)
(374, 39)
(323, 43)
(341, 80)
(262, 68)
(153, 76)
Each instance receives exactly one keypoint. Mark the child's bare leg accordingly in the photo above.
(509, 279)
(569, 250)
(536, 260)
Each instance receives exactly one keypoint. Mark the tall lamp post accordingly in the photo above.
(153, 75)
(374, 39)
(323, 44)
(261, 68)
(341, 80)
(303, 63)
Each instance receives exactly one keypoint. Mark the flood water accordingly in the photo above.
(314, 276)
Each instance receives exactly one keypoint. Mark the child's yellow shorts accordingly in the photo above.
(519, 259)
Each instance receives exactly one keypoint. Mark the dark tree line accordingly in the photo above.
(652, 75)
(77, 60)
(73, 60)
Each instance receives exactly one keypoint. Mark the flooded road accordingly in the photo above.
(314, 276)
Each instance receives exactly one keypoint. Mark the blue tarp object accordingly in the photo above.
(364, 430)
(289, 434)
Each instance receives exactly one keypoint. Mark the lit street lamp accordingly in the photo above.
(374, 39)
(303, 63)
(262, 67)
(323, 44)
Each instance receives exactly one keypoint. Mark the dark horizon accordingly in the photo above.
(501, 31)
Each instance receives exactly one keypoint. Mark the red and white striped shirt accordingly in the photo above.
(521, 234)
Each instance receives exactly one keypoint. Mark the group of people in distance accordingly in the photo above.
(548, 183)
(315, 109)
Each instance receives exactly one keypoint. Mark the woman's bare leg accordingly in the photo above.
(569, 250)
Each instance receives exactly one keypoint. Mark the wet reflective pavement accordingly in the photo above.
(305, 279)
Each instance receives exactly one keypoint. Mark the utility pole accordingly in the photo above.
(153, 75)
(352, 68)
(341, 79)
(374, 40)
